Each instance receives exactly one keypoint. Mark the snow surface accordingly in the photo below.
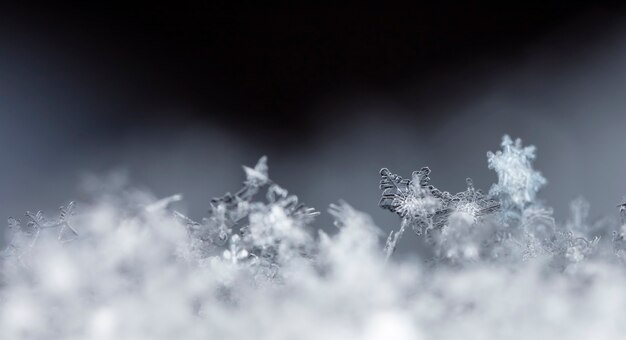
(128, 266)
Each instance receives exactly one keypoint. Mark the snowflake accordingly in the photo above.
(419, 202)
(412, 199)
(25, 236)
(425, 208)
(241, 228)
(518, 182)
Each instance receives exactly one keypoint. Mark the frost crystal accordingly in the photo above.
(518, 182)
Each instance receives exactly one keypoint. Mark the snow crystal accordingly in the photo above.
(518, 182)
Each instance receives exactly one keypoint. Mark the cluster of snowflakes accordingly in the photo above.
(260, 235)
(500, 266)
(505, 225)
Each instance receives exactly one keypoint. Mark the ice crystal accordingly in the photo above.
(26, 235)
(518, 182)
(424, 207)
(238, 227)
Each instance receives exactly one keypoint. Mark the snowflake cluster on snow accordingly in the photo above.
(500, 266)
(262, 235)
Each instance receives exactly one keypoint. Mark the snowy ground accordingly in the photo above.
(498, 266)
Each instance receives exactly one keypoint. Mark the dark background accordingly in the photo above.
(175, 96)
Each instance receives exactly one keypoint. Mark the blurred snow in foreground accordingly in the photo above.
(130, 267)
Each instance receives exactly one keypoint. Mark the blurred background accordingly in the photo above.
(177, 96)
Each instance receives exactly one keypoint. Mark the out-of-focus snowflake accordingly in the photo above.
(241, 227)
(518, 182)
(622, 210)
(26, 235)
(236, 252)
